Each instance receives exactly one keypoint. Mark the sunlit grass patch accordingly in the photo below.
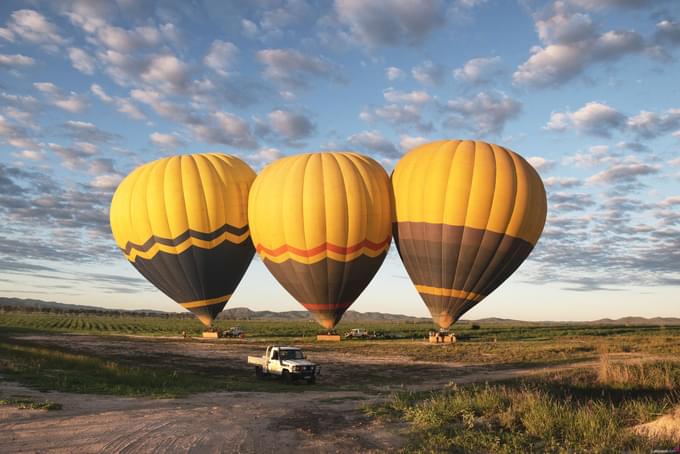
(30, 404)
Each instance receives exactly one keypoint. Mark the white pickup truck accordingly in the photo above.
(288, 362)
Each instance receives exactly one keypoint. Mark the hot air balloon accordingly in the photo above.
(182, 222)
(467, 214)
(322, 224)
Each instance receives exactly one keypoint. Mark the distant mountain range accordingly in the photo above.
(243, 313)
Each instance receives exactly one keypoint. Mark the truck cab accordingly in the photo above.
(287, 362)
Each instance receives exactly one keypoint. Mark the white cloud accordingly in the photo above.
(75, 157)
(290, 125)
(33, 155)
(100, 93)
(597, 118)
(651, 124)
(478, 70)
(428, 73)
(485, 113)
(668, 31)
(562, 182)
(16, 136)
(671, 201)
(110, 181)
(15, 61)
(412, 97)
(72, 102)
(22, 117)
(571, 42)
(86, 132)
(376, 23)
(600, 119)
(289, 12)
(126, 41)
(47, 87)
(559, 121)
(552, 65)
(168, 70)
(291, 68)
(624, 173)
(407, 142)
(264, 156)
(601, 4)
(399, 115)
(250, 28)
(160, 106)
(594, 118)
(6, 34)
(541, 164)
(123, 105)
(221, 56)
(596, 155)
(373, 141)
(29, 25)
(81, 60)
(224, 128)
(89, 15)
(165, 141)
(393, 73)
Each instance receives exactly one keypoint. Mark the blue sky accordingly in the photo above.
(587, 89)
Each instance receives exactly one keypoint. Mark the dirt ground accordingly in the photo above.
(240, 422)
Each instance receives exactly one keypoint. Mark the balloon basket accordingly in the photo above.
(442, 337)
(211, 334)
(328, 337)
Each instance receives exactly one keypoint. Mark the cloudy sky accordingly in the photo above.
(587, 89)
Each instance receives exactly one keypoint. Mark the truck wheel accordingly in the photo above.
(286, 377)
(258, 372)
(311, 381)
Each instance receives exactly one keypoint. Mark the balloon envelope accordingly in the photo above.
(322, 224)
(182, 222)
(467, 214)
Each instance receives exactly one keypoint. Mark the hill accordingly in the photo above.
(235, 313)
(243, 313)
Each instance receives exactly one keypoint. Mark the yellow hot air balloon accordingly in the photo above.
(467, 214)
(322, 224)
(182, 222)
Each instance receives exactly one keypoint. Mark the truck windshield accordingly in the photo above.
(291, 354)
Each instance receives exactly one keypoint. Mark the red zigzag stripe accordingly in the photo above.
(325, 307)
(324, 247)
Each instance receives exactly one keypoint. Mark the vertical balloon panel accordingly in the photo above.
(182, 222)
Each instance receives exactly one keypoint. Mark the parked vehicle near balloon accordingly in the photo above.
(467, 214)
(234, 331)
(182, 222)
(321, 222)
(357, 333)
(287, 362)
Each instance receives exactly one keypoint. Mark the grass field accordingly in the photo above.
(579, 409)
(491, 343)
(582, 411)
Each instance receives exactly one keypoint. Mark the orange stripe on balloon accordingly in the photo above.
(325, 307)
(323, 247)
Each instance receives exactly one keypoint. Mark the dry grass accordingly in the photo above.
(579, 411)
